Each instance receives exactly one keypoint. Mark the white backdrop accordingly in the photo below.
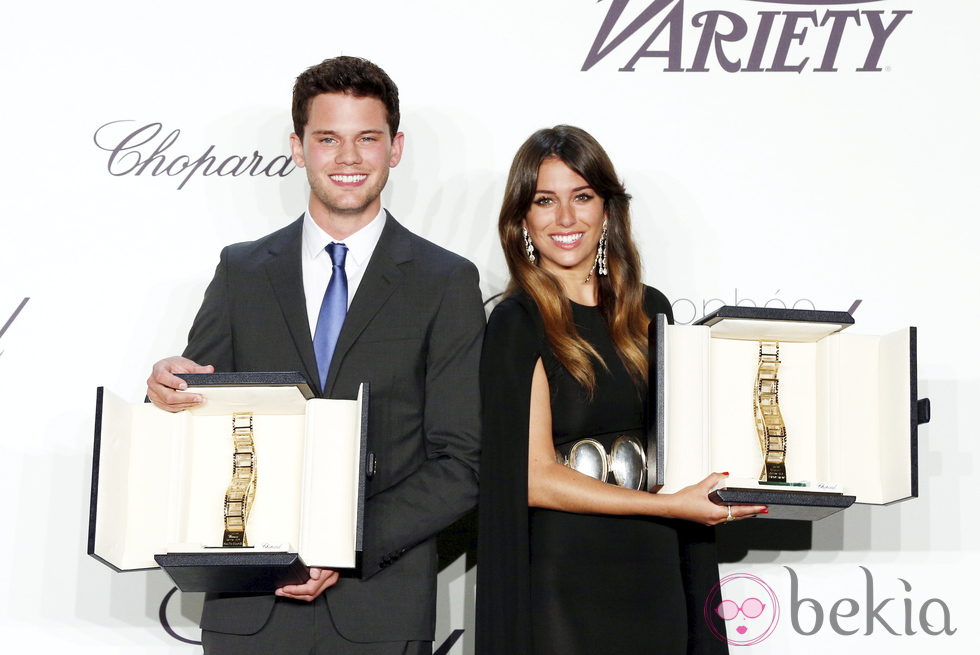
(809, 187)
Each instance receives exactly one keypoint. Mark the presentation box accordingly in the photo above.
(159, 481)
(849, 404)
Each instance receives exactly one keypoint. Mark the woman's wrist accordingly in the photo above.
(663, 505)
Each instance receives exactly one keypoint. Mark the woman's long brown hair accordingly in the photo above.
(620, 292)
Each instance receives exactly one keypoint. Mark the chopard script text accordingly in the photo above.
(146, 149)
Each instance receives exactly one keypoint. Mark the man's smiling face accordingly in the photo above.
(347, 150)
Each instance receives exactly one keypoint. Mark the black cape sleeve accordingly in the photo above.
(511, 348)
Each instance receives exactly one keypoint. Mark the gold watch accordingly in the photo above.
(768, 419)
(241, 491)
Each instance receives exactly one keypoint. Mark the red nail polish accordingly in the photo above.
(765, 510)
(725, 473)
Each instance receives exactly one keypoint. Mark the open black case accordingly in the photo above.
(159, 481)
(850, 405)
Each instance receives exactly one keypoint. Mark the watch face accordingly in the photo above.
(233, 539)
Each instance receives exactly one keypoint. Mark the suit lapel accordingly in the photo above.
(285, 269)
(381, 278)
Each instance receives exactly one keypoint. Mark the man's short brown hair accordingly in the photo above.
(351, 75)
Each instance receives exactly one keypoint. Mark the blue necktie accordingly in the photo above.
(333, 310)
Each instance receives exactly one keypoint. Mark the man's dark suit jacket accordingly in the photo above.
(414, 332)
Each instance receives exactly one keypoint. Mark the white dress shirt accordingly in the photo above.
(317, 266)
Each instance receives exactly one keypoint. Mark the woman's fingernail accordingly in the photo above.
(725, 473)
(764, 510)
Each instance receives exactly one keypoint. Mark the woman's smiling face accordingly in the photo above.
(565, 220)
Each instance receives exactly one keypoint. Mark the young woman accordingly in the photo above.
(569, 563)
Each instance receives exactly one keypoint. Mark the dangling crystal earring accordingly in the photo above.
(600, 256)
(528, 246)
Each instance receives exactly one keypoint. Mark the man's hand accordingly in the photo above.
(162, 384)
(320, 579)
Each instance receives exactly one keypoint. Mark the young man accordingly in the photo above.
(348, 295)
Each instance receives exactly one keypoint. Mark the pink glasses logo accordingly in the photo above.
(748, 621)
(751, 608)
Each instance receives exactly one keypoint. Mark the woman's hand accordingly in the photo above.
(692, 504)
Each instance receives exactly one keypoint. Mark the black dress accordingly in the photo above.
(566, 583)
